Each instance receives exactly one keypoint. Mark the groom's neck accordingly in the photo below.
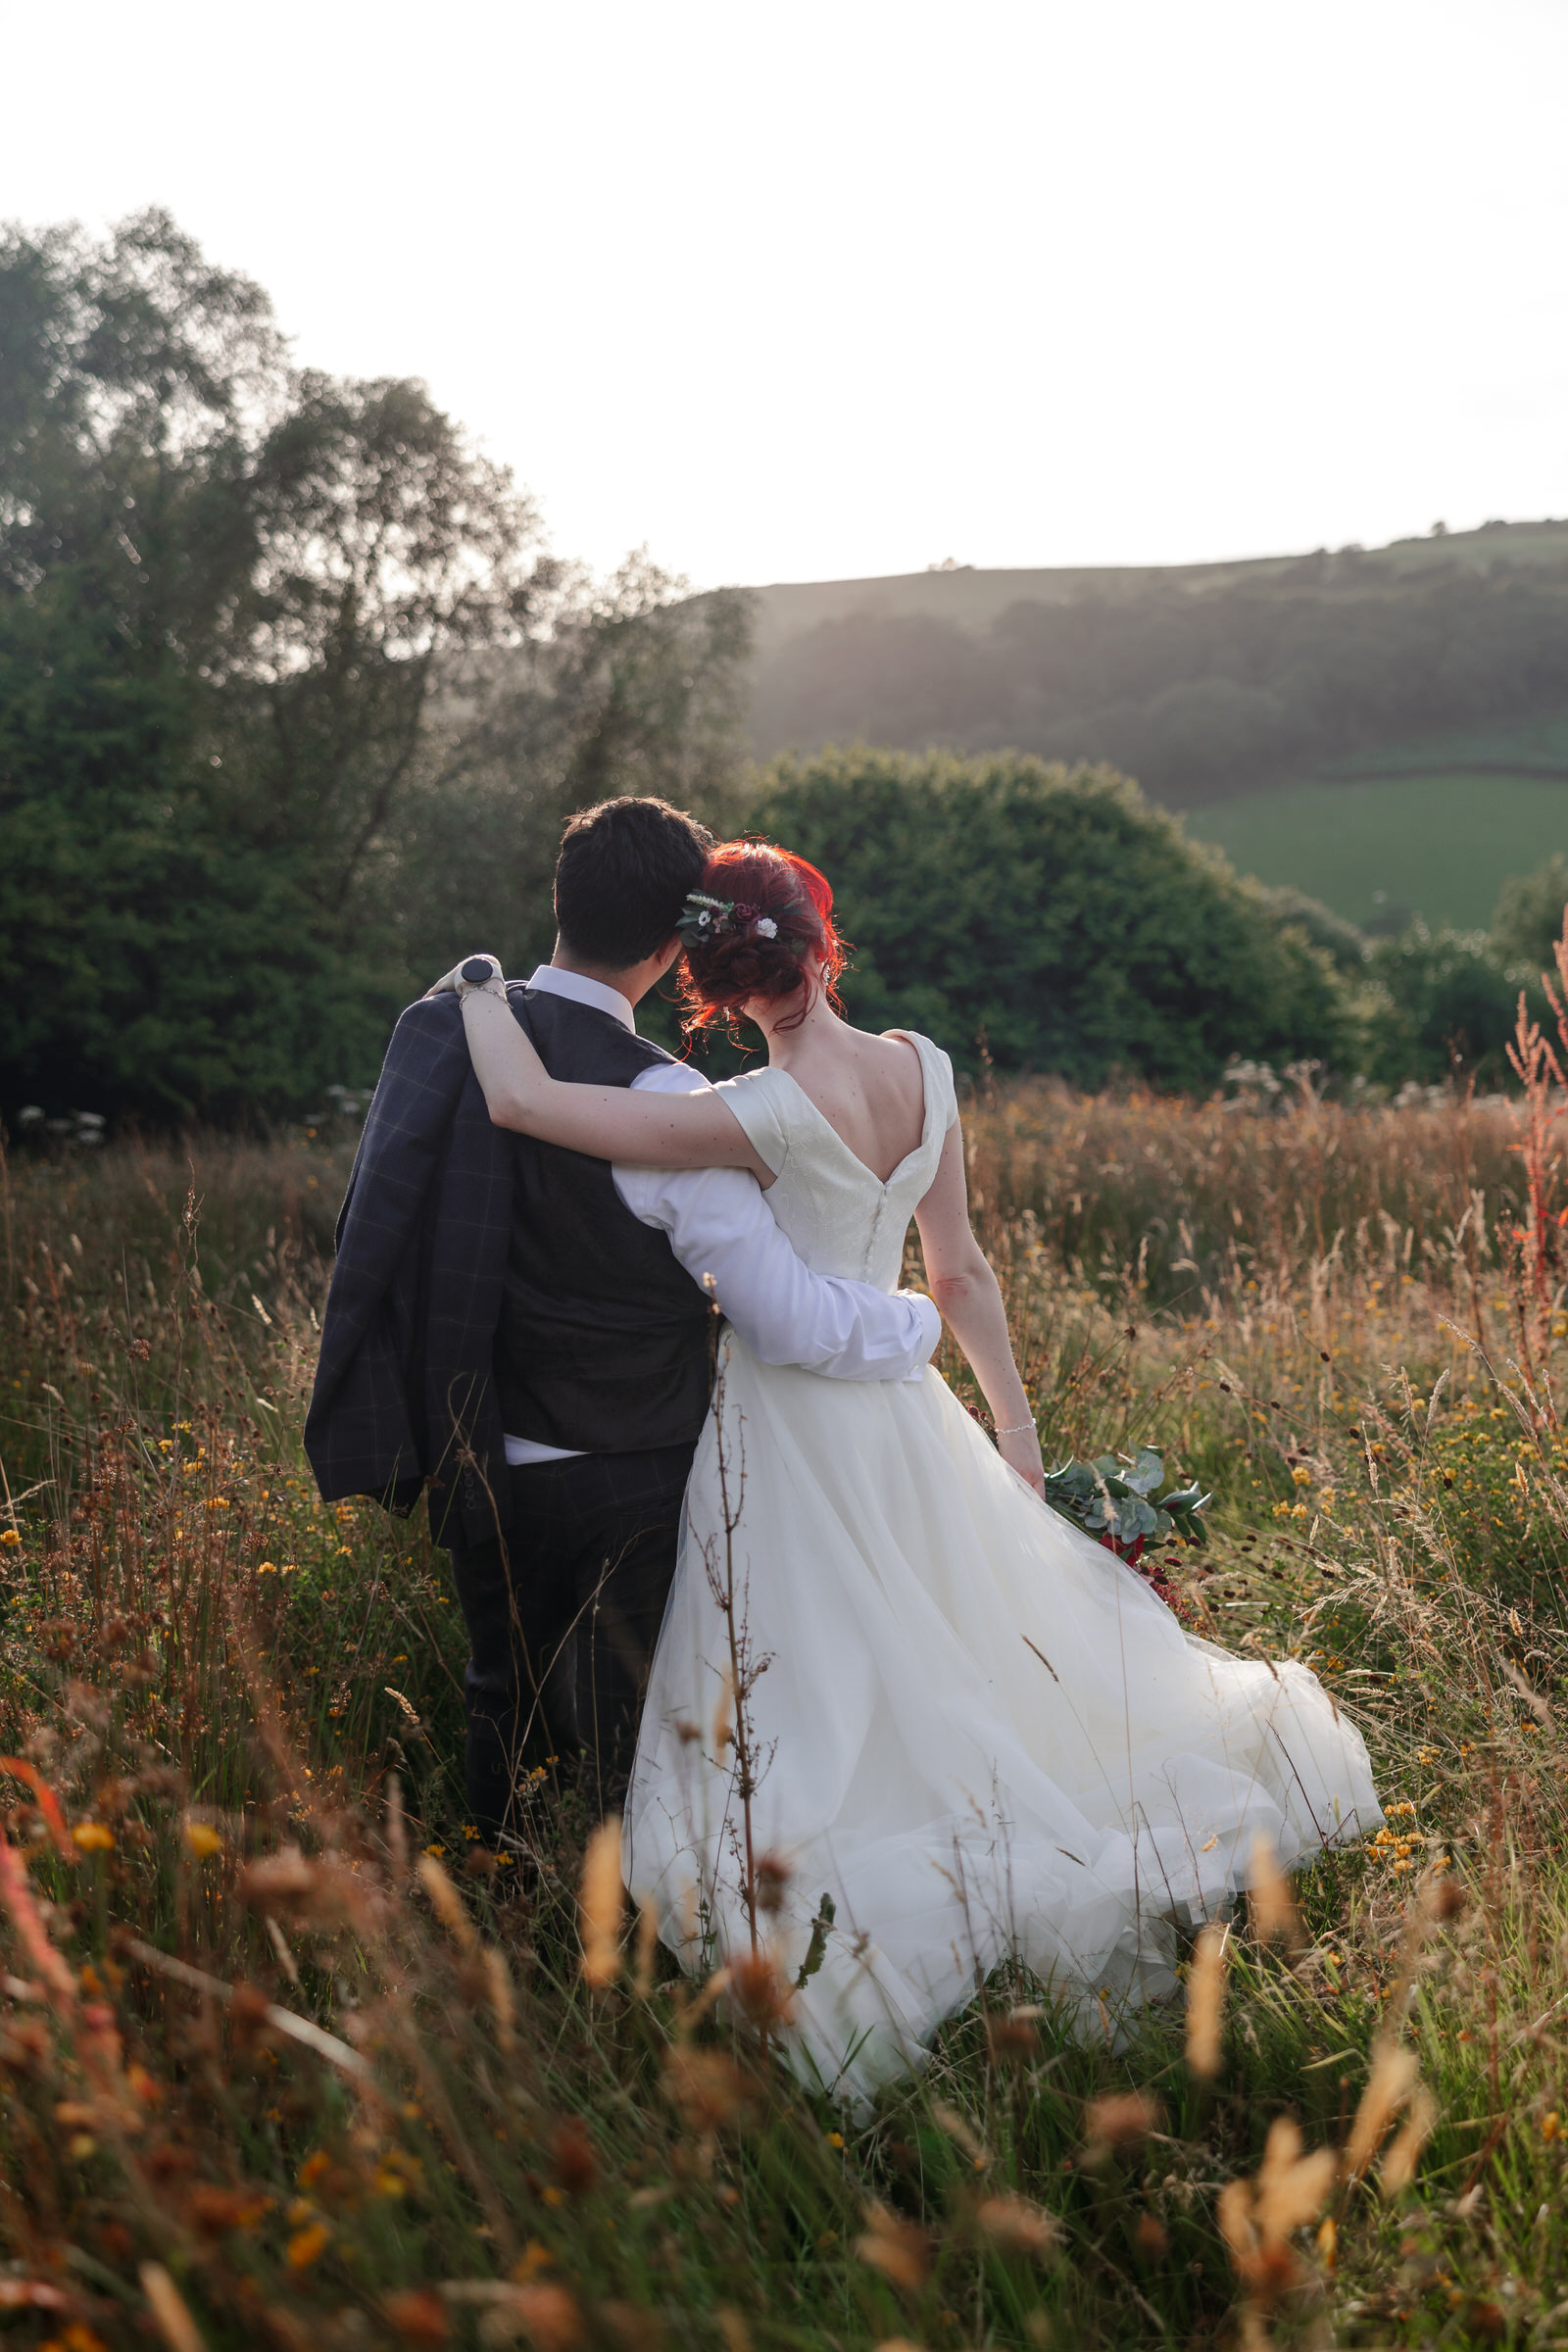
(632, 981)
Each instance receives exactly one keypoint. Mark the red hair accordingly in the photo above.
(721, 974)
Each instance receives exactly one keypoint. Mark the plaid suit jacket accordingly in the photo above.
(403, 1392)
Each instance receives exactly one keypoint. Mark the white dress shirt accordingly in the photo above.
(720, 1223)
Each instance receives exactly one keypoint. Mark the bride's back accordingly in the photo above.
(869, 1089)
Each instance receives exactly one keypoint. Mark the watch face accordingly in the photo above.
(476, 970)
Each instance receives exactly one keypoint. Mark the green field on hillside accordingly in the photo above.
(1436, 845)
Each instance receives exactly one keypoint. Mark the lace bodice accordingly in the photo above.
(841, 1217)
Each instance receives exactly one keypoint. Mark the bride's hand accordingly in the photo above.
(447, 985)
(1020, 1450)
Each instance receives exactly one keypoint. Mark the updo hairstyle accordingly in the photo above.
(782, 915)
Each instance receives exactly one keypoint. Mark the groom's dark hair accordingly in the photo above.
(622, 876)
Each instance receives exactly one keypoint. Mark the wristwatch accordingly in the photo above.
(480, 972)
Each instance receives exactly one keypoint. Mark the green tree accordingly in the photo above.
(1052, 918)
(226, 590)
(1446, 1008)
(1527, 919)
(635, 686)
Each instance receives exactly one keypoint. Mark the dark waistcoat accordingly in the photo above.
(603, 1343)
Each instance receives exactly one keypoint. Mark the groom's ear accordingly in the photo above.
(669, 952)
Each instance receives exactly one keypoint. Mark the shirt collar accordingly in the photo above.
(582, 990)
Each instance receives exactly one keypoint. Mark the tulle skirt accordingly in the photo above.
(974, 1730)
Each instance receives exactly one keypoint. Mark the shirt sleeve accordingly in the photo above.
(718, 1222)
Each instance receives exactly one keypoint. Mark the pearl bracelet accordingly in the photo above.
(1017, 1430)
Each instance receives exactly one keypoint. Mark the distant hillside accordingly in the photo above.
(1205, 681)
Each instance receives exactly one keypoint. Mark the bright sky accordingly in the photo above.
(795, 290)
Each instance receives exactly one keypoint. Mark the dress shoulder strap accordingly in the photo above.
(941, 1094)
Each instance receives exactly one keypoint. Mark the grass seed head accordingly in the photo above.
(1389, 2085)
(1206, 2003)
(447, 1905)
(724, 1715)
(647, 1949)
(549, 2317)
(898, 2249)
(573, 2165)
(1291, 2189)
(1405, 2149)
(760, 1992)
(170, 2310)
(1273, 1906)
(707, 2088)
(601, 1900)
(1017, 2226)
(1124, 2120)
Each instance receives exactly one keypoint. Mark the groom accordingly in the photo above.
(523, 1333)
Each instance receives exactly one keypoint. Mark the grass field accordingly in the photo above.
(285, 2062)
(1436, 845)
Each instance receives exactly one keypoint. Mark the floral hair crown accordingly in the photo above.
(706, 918)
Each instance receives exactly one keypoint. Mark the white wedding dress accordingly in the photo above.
(977, 1729)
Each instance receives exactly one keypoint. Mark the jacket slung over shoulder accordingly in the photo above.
(404, 1390)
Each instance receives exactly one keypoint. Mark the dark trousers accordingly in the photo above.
(563, 1614)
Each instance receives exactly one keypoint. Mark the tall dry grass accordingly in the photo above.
(283, 2060)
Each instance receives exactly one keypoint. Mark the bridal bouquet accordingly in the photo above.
(1113, 1499)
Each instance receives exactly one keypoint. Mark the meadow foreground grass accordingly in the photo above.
(284, 2059)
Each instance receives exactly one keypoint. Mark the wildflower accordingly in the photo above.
(92, 1838)
(10, 1538)
(417, 2316)
(307, 2245)
(1550, 2124)
(835, 2139)
(203, 1839)
(1301, 1478)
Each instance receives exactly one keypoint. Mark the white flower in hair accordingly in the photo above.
(765, 927)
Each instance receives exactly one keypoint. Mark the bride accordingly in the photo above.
(974, 1733)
